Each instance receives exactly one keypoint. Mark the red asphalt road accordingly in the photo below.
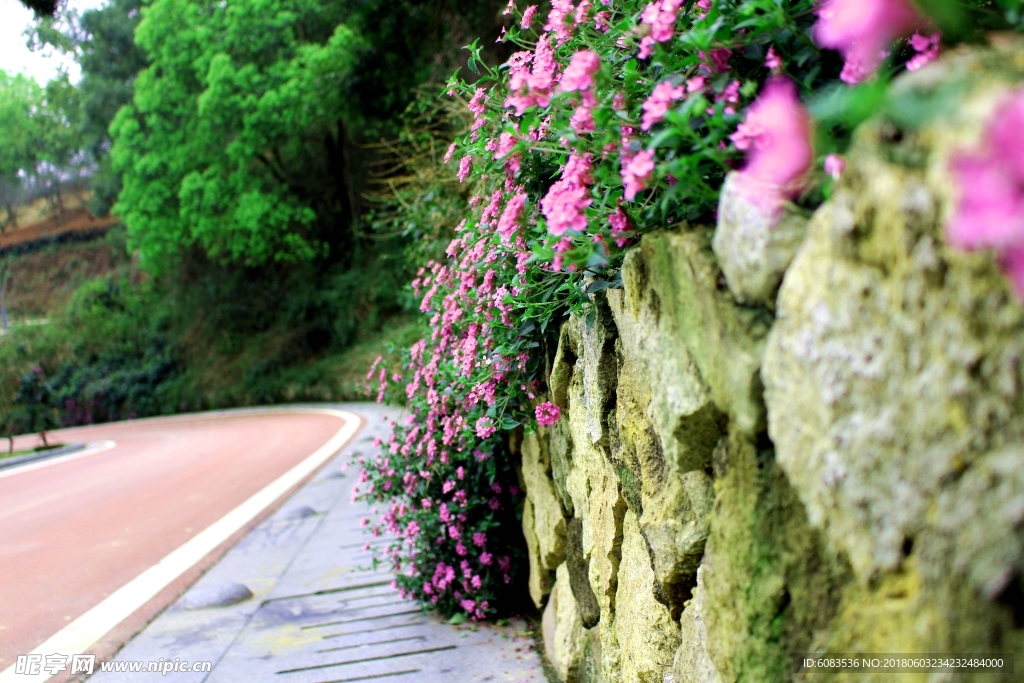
(74, 532)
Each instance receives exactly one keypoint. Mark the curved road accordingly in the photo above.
(75, 531)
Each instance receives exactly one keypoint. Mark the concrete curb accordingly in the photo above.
(41, 455)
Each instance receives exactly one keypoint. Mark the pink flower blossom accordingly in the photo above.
(990, 211)
(835, 165)
(547, 414)
(601, 21)
(528, 15)
(449, 153)
(479, 539)
(464, 166)
(561, 20)
(579, 75)
(485, 427)
(636, 172)
(716, 61)
(620, 226)
(777, 135)
(563, 207)
(659, 20)
(771, 60)
(564, 204)
(862, 30)
(927, 48)
(476, 103)
(531, 86)
(658, 103)
(582, 120)
(485, 559)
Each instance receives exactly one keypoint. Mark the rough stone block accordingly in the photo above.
(895, 365)
(539, 583)
(692, 663)
(564, 637)
(671, 289)
(548, 522)
(754, 246)
(647, 634)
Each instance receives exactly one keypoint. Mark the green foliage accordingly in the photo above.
(20, 97)
(224, 144)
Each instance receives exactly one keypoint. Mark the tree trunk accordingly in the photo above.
(3, 304)
(3, 292)
(42, 435)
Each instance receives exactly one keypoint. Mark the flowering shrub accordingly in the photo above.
(613, 117)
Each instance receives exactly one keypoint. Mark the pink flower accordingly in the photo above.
(479, 539)
(564, 204)
(561, 19)
(636, 172)
(835, 165)
(927, 48)
(531, 87)
(464, 166)
(716, 61)
(659, 19)
(862, 30)
(485, 559)
(620, 225)
(579, 75)
(547, 414)
(658, 103)
(528, 15)
(777, 134)
(582, 120)
(990, 212)
(485, 427)
(449, 153)
(563, 207)
(771, 60)
(476, 103)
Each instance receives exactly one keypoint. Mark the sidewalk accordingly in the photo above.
(318, 613)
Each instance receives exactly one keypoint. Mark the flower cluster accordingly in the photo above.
(613, 117)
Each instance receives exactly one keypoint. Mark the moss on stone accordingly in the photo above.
(771, 583)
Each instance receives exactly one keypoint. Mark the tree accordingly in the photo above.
(102, 42)
(241, 136)
(234, 141)
(59, 157)
(20, 101)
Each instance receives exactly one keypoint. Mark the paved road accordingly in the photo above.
(74, 532)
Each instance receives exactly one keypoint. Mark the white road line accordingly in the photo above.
(86, 630)
(91, 449)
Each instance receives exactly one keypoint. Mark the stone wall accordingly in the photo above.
(745, 472)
